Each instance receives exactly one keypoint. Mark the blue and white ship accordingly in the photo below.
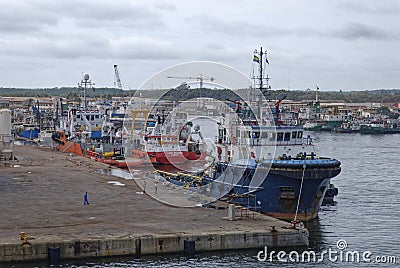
(262, 163)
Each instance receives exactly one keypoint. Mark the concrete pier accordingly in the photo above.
(42, 196)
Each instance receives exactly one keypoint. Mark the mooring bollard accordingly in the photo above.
(231, 212)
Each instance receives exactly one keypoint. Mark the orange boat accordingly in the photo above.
(66, 146)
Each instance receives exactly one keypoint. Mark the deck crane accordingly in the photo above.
(237, 103)
(277, 104)
(199, 78)
(117, 79)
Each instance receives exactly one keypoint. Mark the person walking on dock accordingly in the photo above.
(144, 186)
(85, 199)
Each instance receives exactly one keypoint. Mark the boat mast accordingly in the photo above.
(262, 89)
(261, 70)
(258, 81)
(84, 85)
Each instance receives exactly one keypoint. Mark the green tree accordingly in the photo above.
(383, 110)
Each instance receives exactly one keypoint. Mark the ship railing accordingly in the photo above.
(247, 209)
(269, 142)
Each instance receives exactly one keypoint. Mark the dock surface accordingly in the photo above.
(41, 195)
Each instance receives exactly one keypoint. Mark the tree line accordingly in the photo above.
(185, 93)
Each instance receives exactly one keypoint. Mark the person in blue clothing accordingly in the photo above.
(85, 199)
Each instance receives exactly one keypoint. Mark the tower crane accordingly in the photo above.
(199, 78)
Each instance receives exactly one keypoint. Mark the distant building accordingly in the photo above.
(4, 104)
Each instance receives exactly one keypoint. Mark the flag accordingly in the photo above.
(266, 60)
(256, 59)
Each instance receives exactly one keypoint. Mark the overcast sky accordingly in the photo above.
(333, 44)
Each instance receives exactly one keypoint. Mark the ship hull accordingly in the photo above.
(175, 157)
(70, 147)
(378, 130)
(283, 184)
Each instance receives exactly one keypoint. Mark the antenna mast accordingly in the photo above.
(85, 84)
(261, 69)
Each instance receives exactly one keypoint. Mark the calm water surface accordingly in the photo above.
(366, 216)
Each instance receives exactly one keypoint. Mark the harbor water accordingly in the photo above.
(365, 218)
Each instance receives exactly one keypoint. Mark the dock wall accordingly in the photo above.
(152, 244)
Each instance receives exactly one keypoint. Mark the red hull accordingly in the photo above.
(194, 156)
(171, 158)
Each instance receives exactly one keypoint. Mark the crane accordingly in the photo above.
(117, 78)
(200, 78)
(238, 104)
(277, 104)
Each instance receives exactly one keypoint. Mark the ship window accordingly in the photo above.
(300, 134)
(78, 116)
(264, 135)
(92, 117)
(280, 136)
(287, 136)
(272, 136)
(97, 116)
(294, 134)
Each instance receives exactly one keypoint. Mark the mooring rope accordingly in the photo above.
(301, 189)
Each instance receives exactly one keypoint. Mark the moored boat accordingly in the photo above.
(166, 142)
(262, 164)
(380, 128)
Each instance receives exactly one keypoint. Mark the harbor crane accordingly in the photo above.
(199, 78)
(117, 79)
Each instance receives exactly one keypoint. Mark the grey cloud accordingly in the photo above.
(100, 14)
(165, 6)
(145, 48)
(351, 31)
(20, 17)
(44, 48)
(17, 17)
(92, 47)
(377, 8)
(76, 29)
(215, 46)
(234, 27)
(356, 30)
